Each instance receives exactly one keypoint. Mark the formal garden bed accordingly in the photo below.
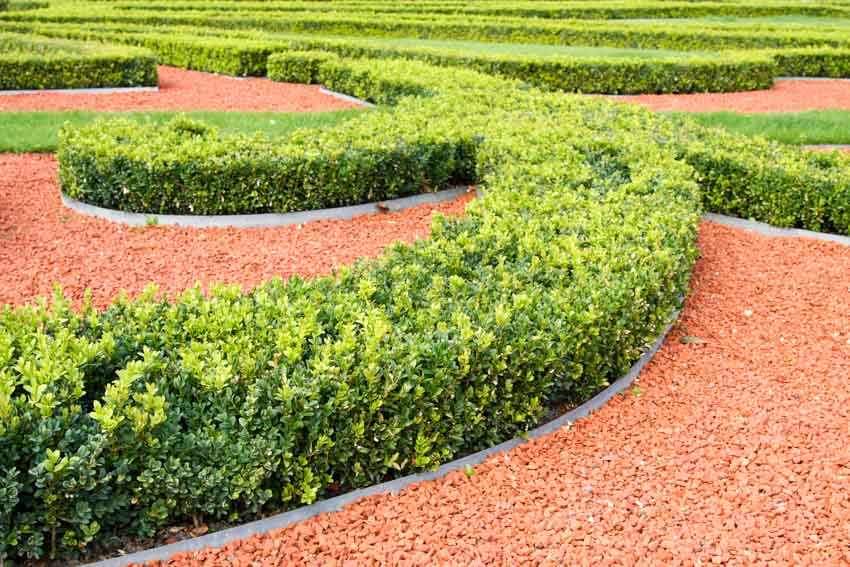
(130, 416)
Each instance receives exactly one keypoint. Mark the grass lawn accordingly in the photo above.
(37, 131)
(811, 127)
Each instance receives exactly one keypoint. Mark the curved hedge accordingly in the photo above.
(220, 407)
(241, 53)
(28, 62)
(190, 168)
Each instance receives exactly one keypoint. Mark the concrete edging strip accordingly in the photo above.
(345, 97)
(223, 537)
(262, 220)
(769, 230)
(97, 90)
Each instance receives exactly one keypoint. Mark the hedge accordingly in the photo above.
(726, 72)
(4, 5)
(154, 411)
(812, 62)
(582, 10)
(28, 62)
(607, 75)
(298, 66)
(525, 30)
(189, 168)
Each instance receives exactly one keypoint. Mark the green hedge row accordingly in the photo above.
(608, 75)
(529, 30)
(153, 412)
(28, 62)
(812, 62)
(186, 167)
(560, 10)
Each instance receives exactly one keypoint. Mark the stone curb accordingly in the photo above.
(265, 220)
(349, 98)
(221, 538)
(104, 90)
(769, 230)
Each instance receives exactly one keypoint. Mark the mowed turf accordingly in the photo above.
(799, 128)
(37, 131)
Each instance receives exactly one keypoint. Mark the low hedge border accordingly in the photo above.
(588, 11)
(612, 33)
(228, 405)
(247, 55)
(739, 175)
(726, 72)
(45, 63)
(279, 521)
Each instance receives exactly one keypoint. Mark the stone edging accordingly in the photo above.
(262, 220)
(769, 230)
(349, 98)
(221, 538)
(98, 90)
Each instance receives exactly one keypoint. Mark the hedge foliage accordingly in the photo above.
(220, 407)
(187, 167)
(247, 55)
(611, 33)
(28, 62)
(631, 9)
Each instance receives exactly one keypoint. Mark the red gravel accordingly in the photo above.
(732, 451)
(180, 89)
(42, 242)
(793, 95)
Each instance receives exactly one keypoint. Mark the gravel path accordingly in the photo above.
(733, 449)
(180, 89)
(42, 242)
(792, 95)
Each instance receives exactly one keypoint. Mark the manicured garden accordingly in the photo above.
(217, 404)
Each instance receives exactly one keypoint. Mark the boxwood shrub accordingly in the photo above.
(245, 53)
(28, 62)
(225, 405)
(298, 66)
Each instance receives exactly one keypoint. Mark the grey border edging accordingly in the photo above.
(264, 220)
(770, 230)
(345, 97)
(223, 537)
(97, 90)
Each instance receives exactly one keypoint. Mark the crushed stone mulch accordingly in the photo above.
(732, 449)
(183, 90)
(42, 242)
(787, 95)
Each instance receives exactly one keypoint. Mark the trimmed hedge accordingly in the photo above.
(298, 66)
(221, 407)
(525, 30)
(726, 72)
(188, 168)
(580, 10)
(607, 75)
(28, 62)
(812, 62)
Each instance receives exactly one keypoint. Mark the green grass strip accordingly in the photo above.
(798, 128)
(37, 131)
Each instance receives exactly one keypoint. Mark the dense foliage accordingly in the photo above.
(123, 421)
(229, 404)
(28, 62)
